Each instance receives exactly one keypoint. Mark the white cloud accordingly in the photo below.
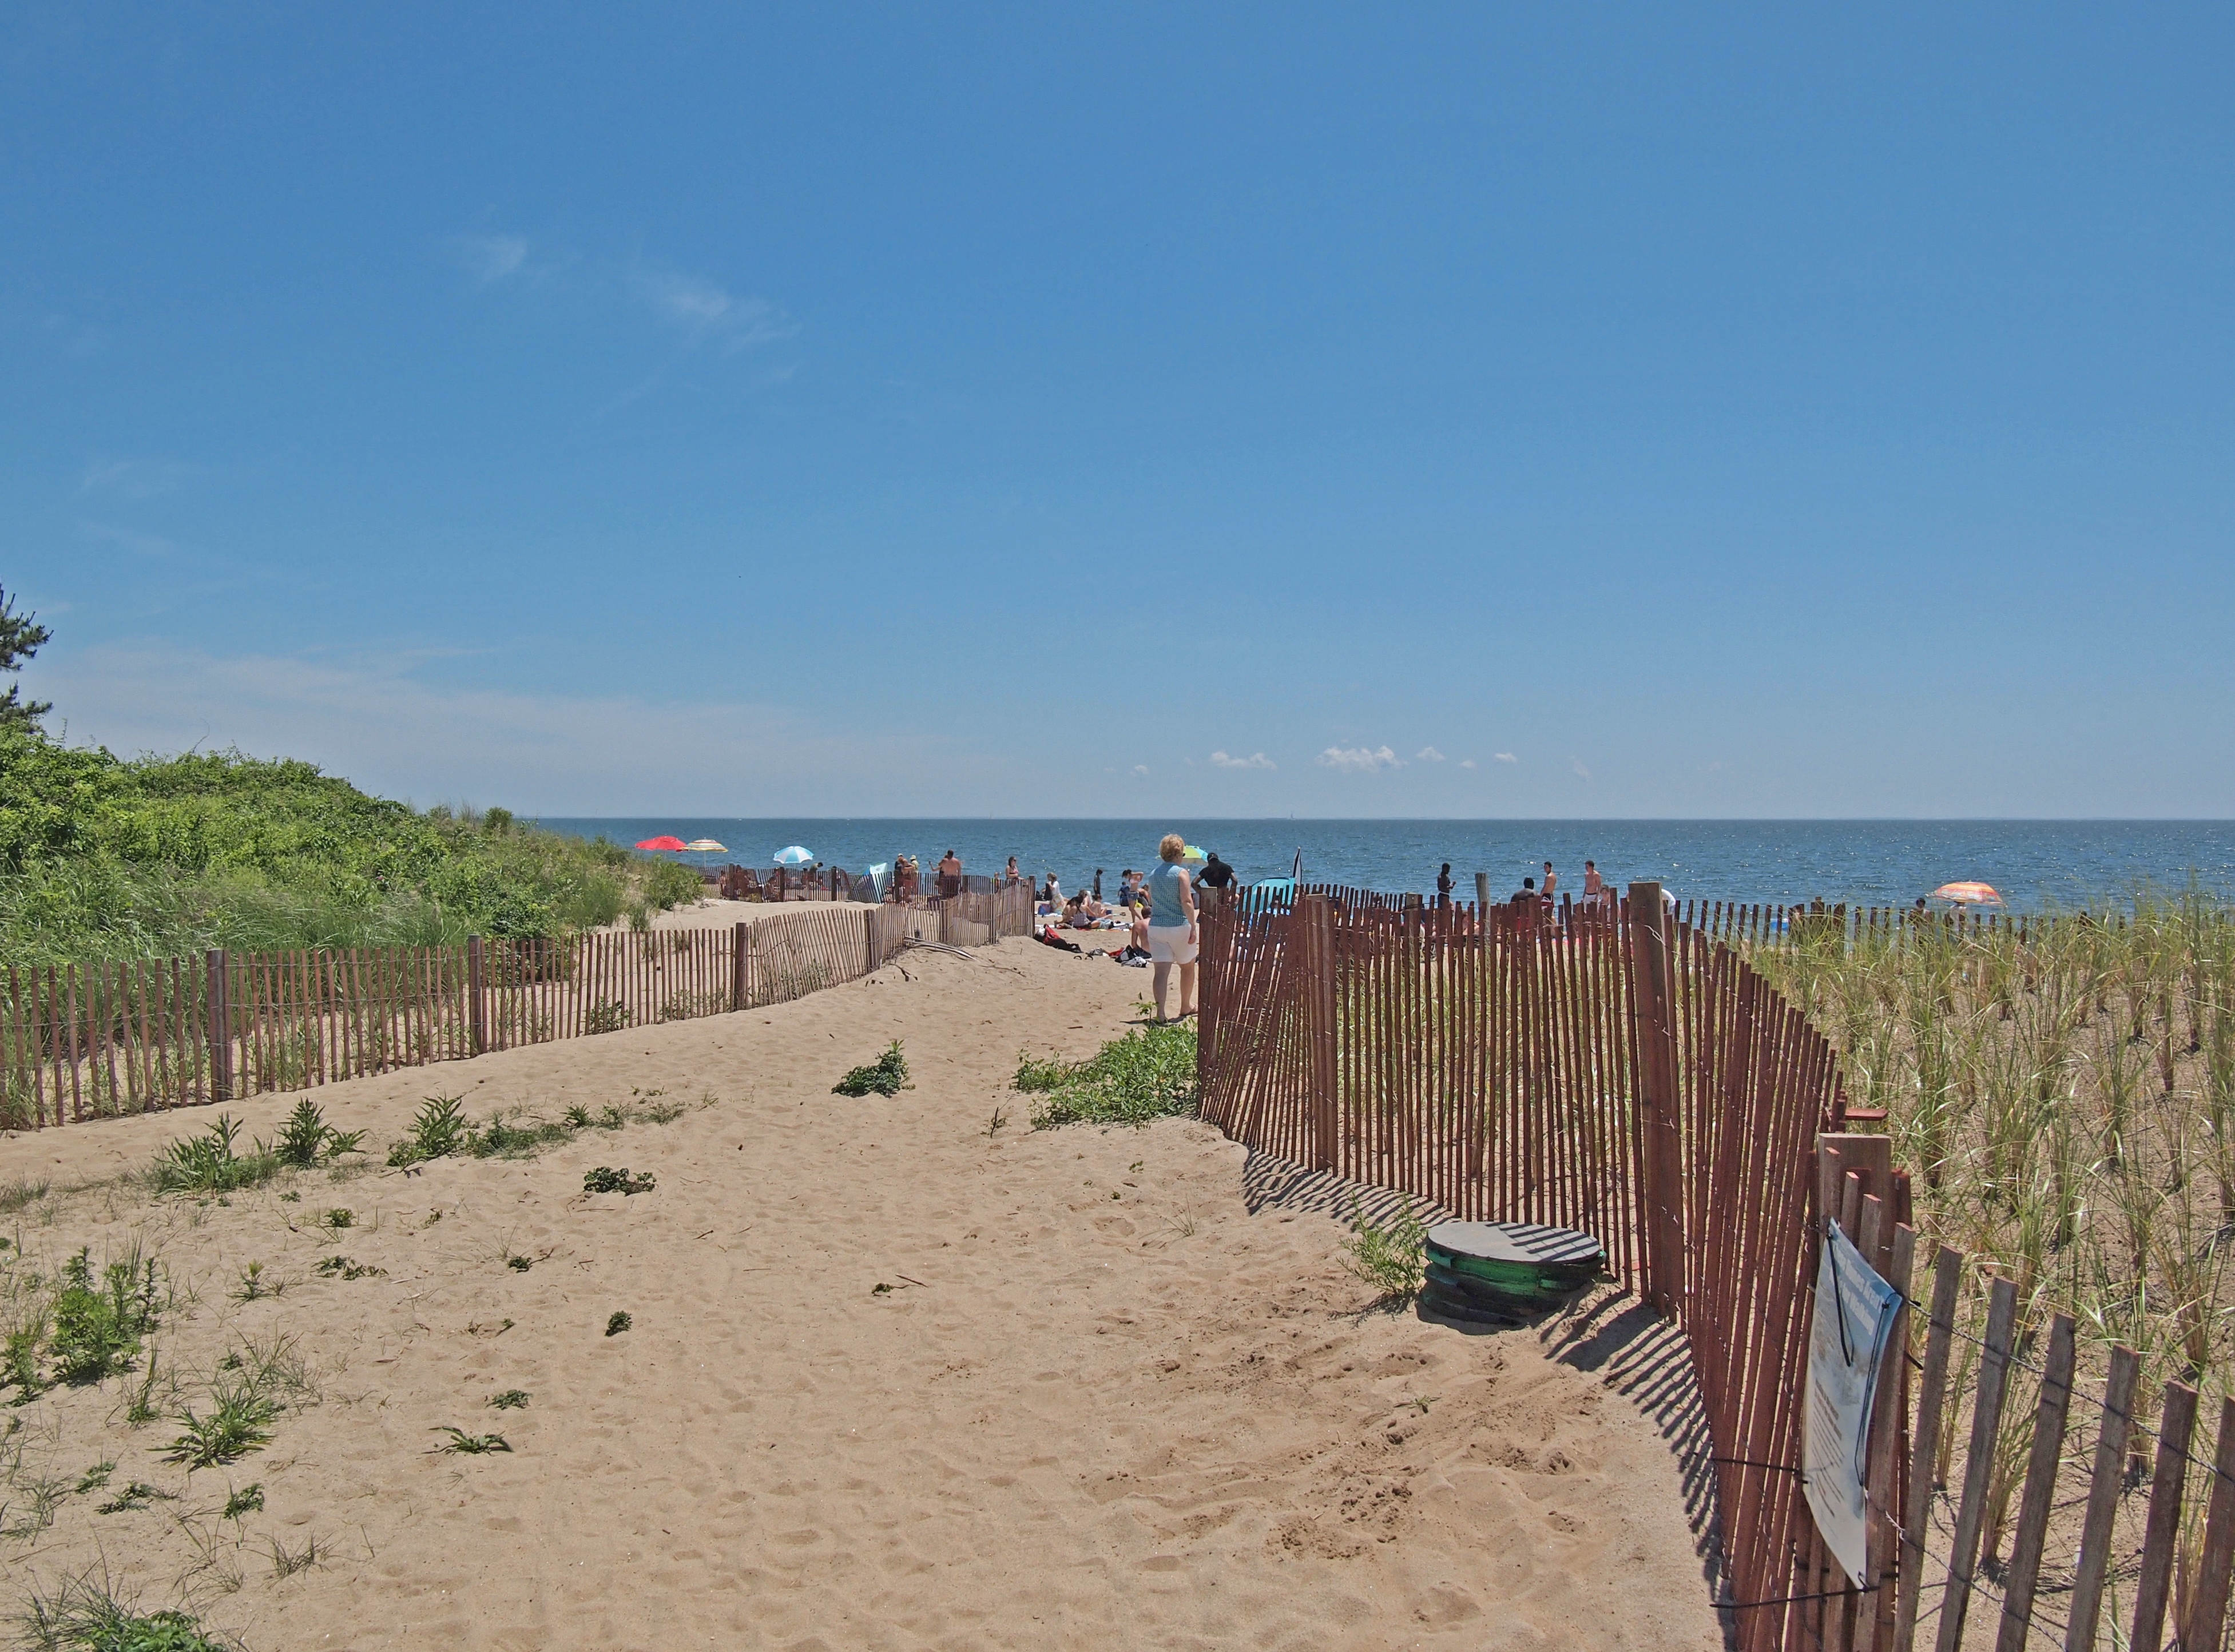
(132, 478)
(705, 310)
(1140, 770)
(1255, 760)
(490, 259)
(1576, 766)
(1362, 759)
(1506, 757)
(1429, 754)
(1467, 763)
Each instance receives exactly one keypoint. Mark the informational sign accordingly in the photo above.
(1854, 1315)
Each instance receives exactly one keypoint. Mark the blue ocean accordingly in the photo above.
(2034, 863)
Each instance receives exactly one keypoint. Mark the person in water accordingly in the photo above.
(1173, 931)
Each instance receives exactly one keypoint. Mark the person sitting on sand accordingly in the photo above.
(1173, 933)
(1075, 914)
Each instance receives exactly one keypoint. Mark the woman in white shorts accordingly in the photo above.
(1173, 933)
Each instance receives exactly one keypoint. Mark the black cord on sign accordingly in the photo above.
(1749, 1462)
(1788, 1600)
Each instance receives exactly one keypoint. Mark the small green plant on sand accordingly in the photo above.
(342, 1267)
(517, 1264)
(886, 1076)
(577, 1118)
(338, 1218)
(306, 1140)
(617, 1323)
(212, 1162)
(249, 1499)
(97, 1326)
(85, 1615)
(606, 1179)
(1392, 1259)
(1148, 1074)
(253, 1286)
(439, 1129)
(237, 1421)
(470, 1445)
(510, 1399)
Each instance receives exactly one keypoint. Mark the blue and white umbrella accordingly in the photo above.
(795, 856)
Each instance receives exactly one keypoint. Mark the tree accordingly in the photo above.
(20, 637)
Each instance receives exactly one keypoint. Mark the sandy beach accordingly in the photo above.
(900, 1373)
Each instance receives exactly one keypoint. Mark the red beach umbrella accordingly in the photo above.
(672, 845)
(1969, 895)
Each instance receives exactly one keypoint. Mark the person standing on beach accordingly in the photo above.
(1551, 881)
(1173, 935)
(1009, 877)
(1594, 885)
(1444, 886)
(950, 876)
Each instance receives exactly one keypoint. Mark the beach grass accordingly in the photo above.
(1147, 1074)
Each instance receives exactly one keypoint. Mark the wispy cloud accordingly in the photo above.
(1576, 766)
(490, 259)
(1429, 754)
(125, 539)
(1255, 760)
(1140, 771)
(132, 478)
(1360, 759)
(1467, 763)
(706, 312)
(1505, 757)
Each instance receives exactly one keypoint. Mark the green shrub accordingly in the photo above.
(98, 1328)
(440, 1128)
(239, 1421)
(211, 1162)
(886, 1076)
(606, 1179)
(1147, 1074)
(81, 1615)
(306, 1138)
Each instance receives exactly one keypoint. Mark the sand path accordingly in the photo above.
(1119, 1395)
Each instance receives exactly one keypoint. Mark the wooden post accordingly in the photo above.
(220, 1026)
(737, 971)
(2162, 1534)
(1661, 1194)
(1482, 896)
(2087, 1603)
(870, 958)
(1317, 922)
(476, 1005)
(1883, 1471)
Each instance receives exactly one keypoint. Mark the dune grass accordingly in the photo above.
(1145, 1075)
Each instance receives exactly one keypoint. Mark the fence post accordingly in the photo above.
(221, 1024)
(1482, 892)
(1317, 923)
(476, 1002)
(1651, 1010)
(737, 968)
(869, 942)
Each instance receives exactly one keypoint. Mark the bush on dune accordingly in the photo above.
(107, 857)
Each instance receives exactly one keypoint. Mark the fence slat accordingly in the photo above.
(2103, 1488)
(2162, 1535)
(1986, 1417)
(2040, 1488)
(2207, 1613)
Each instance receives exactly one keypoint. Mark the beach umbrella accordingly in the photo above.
(1191, 853)
(668, 845)
(1969, 895)
(706, 846)
(794, 856)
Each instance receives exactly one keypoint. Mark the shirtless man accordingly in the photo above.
(1551, 881)
(950, 876)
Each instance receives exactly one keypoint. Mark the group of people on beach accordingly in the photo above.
(1597, 892)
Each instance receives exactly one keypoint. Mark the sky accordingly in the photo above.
(1460, 411)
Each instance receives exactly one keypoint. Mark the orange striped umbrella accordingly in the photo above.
(1969, 895)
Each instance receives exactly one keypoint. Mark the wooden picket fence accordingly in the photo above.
(1618, 1069)
(95, 1040)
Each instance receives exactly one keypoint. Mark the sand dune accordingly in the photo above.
(1119, 1393)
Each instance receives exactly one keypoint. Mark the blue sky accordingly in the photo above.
(1462, 411)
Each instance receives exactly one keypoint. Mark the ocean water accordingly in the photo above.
(1880, 863)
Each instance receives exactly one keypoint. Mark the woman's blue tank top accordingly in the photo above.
(1164, 910)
